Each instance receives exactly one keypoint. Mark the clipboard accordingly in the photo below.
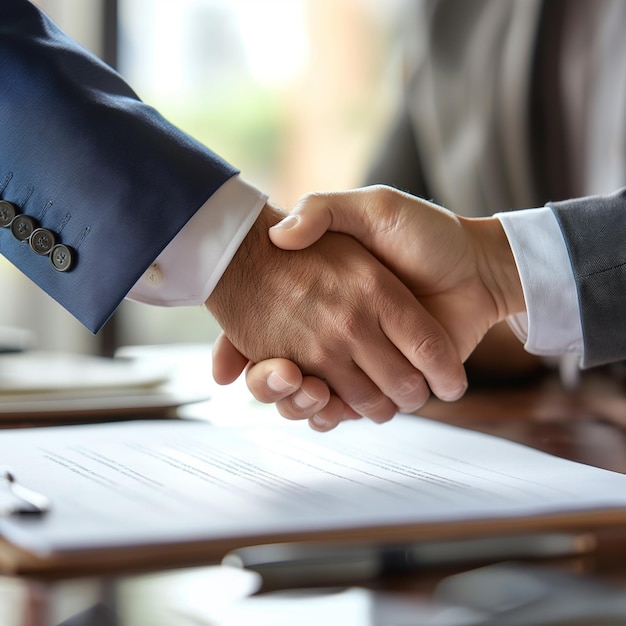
(103, 532)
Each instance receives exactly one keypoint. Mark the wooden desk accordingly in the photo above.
(586, 425)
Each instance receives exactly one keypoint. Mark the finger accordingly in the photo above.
(381, 379)
(316, 213)
(359, 392)
(335, 412)
(394, 375)
(280, 381)
(428, 348)
(406, 350)
(311, 397)
(384, 363)
(273, 379)
(228, 362)
(306, 223)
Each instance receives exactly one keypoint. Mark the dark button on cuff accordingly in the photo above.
(62, 258)
(7, 213)
(22, 227)
(42, 240)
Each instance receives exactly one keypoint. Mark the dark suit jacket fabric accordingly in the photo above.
(595, 235)
(81, 154)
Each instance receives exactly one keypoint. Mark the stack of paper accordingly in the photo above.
(60, 386)
(182, 491)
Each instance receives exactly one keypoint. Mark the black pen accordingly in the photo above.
(310, 564)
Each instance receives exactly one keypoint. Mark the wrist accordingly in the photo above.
(240, 273)
(496, 265)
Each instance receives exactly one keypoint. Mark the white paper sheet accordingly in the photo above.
(44, 372)
(143, 482)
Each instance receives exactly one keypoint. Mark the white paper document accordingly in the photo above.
(138, 483)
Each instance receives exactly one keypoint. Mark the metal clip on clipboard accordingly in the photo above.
(15, 499)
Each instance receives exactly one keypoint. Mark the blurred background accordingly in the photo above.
(295, 93)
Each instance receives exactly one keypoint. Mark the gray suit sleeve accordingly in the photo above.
(594, 229)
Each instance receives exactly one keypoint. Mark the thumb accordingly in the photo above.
(316, 213)
(228, 362)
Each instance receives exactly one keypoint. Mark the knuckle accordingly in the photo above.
(385, 197)
(384, 193)
(348, 324)
(317, 358)
(431, 348)
(409, 385)
(373, 404)
(313, 198)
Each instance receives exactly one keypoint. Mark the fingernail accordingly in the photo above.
(277, 383)
(454, 395)
(303, 400)
(288, 222)
(413, 404)
(320, 422)
(411, 408)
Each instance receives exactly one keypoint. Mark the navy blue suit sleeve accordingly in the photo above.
(82, 155)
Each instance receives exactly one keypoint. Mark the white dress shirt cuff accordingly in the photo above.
(551, 324)
(186, 272)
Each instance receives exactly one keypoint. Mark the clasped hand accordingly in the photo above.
(364, 322)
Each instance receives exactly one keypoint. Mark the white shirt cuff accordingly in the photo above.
(186, 272)
(551, 324)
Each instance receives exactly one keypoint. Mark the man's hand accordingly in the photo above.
(461, 270)
(341, 316)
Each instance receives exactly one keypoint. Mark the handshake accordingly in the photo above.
(361, 303)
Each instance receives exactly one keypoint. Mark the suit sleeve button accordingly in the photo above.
(62, 258)
(42, 240)
(7, 213)
(22, 227)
